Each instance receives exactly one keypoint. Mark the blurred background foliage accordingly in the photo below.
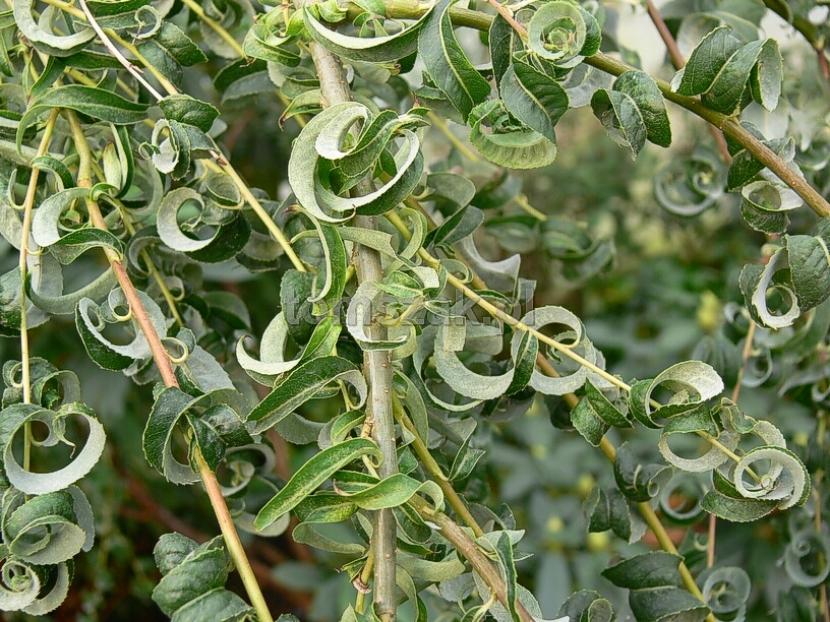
(656, 301)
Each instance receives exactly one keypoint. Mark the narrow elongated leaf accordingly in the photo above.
(312, 474)
(382, 49)
(447, 64)
(302, 384)
(92, 101)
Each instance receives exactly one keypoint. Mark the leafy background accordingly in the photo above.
(663, 295)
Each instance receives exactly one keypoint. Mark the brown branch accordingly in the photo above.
(165, 369)
(465, 545)
(678, 61)
(139, 492)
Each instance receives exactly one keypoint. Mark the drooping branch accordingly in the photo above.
(377, 365)
(730, 126)
(216, 162)
(465, 545)
(168, 375)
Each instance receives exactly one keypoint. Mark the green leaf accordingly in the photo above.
(15, 417)
(449, 341)
(727, 73)
(92, 101)
(186, 109)
(805, 546)
(587, 606)
(47, 529)
(378, 49)
(170, 49)
(303, 383)
(706, 61)
(41, 34)
(503, 42)
(389, 492)
(504, 550)
(318, 150)
(193, 578)
(691, 422)
(726, 590)
(226, 240)
(504, 143)
(561, 32)
(809, 261)
(262, 42)
(213, 422)
(653, 579)
(811, 271)
(447, 64)
(595, 414)
(637, 481)
(736, 510)
(642, 88)
(36, 590)
(91, 318)
(569, 380)
(533, 97)
(611, 510)
(691, 382)
(621, 117)
(273, 344)
(312, 474)
(786, 480)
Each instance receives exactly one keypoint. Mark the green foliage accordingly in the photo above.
(353, 358)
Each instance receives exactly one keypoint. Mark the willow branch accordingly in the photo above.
(165, 369)
(218, 163)
(25, 232)
(377, 365)
(465, 545)
(214, 25)
(435, 471)
(112, 49)
(730, 126)
(678, 62)
(606, 446)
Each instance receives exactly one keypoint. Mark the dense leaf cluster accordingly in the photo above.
(397, 350)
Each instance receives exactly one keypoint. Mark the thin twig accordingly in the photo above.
(134, 71)
(522, 202)
(456, 142)
(678, 61)
(215, 26)
(220, 164)
(468, 548)
(165, 369)
(25, 233)
(730, 126)
(434, 469)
